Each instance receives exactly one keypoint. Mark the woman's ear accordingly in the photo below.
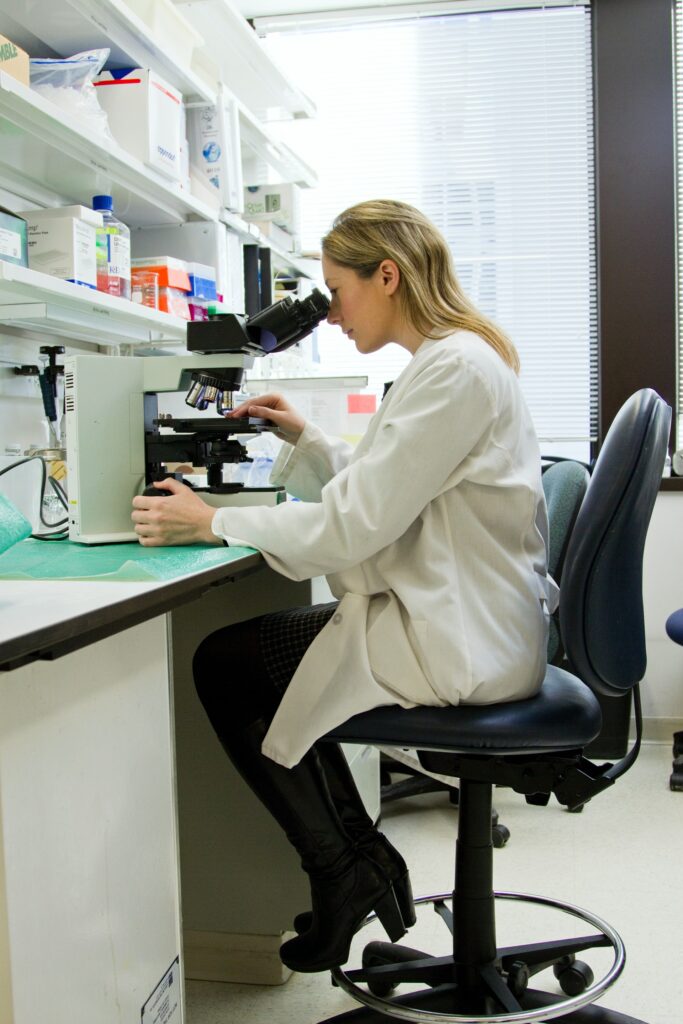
(390, 276)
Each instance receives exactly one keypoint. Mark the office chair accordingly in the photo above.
(534, 746)
(674, 629)
(564, 485)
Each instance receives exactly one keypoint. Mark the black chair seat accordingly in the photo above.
(564, 715)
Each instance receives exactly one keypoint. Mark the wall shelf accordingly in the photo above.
(262, 146)
(72, 26)
(45, 151)
(245, 66)
(38, 302)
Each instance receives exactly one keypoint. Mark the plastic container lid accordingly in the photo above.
(102, 203)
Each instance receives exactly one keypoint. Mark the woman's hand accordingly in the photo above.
(178, 518)
(273, 407)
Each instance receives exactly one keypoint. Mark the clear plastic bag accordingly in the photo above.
(68, 83)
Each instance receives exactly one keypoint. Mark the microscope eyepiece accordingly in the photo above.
(288, 321)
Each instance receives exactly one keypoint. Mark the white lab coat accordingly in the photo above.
(432, 534)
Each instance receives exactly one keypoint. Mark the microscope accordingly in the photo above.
(118, 441)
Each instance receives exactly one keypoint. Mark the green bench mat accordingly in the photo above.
(61, 560)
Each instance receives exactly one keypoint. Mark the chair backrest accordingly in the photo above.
(564, 486)
(601, 603)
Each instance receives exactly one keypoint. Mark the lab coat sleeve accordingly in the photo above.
(305, 468)
(420, 444)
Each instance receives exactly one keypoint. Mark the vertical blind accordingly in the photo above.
(483, 120)
(678, 108)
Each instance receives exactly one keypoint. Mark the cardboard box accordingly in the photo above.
(62, 242)
(145, 116)
(14, 61)
(278, 203)
(13, 238)
(215, 155)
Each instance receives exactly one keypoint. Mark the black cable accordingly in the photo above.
(60, 492)
(43, 485)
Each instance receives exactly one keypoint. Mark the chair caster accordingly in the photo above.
(518, 978)
(574, 976)
(499, 836)
(377, 954)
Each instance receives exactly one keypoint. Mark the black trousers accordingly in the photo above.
(242, 671)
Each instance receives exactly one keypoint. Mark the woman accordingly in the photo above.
(431, 533)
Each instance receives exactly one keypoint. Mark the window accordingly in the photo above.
(483, 121)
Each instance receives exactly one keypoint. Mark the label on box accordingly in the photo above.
(10, 244)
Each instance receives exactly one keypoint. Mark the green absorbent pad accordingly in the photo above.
(130, 563)
(13, 526)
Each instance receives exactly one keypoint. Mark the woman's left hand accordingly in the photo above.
(178, 518)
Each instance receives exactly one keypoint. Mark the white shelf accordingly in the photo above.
(263, 146)
(47, 157)
(298, 266)
(38, 302)
(245, 66)
(70, 26)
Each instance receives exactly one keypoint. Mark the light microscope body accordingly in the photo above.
(117, 442)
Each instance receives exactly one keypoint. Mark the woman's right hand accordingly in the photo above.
(273, 407)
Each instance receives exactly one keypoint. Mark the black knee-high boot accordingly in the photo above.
(361, 830)
(346, 884)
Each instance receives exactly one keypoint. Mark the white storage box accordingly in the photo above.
(215, 156)
(169, 27)
(62, 242)
(145, 116)
(278, 203)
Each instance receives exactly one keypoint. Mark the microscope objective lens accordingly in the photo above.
(194, 395)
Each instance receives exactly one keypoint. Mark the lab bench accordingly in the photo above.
(115, 797)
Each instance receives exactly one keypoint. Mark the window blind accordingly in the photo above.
(678, 142)
(483, 120)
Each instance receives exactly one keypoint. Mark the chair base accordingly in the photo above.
(494, 993)
(676, 780)
(433, 1012)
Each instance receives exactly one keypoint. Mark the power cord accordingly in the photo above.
(56, 534)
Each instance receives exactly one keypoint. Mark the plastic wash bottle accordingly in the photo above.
(113, 250)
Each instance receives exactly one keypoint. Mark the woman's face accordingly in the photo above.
(364, 308)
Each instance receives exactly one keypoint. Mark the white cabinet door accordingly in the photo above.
(89, 890)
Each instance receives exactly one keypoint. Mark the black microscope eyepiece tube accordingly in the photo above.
(288, 321)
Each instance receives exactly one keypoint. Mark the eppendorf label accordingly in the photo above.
(163, 1006)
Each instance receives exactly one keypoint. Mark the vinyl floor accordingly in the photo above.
(621, 858)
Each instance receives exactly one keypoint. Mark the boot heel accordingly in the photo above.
(389, 913)
(404, 897)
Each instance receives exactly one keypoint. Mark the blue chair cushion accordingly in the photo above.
(563, 716)
(674, 626)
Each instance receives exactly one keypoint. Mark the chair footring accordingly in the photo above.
(497, 992)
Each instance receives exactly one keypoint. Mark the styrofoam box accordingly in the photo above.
(145, 116)
(169, 27)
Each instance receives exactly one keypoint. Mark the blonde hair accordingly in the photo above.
(431, 297)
